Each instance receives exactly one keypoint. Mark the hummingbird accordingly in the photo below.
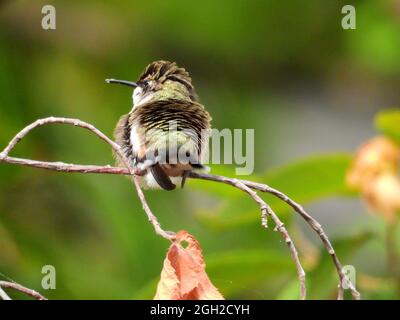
(165, 135)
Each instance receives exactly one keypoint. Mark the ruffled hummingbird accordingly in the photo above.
(165, 135)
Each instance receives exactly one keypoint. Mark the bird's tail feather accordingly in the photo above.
(161, 177)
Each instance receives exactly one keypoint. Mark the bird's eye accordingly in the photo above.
(145, 84)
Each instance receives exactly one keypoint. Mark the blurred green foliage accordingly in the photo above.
(246, 58)
(306, 180)
(388, 121)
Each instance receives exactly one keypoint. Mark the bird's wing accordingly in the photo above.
(122, 137)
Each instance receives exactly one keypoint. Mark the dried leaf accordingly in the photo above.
(183, 276)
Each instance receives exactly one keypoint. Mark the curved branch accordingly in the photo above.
(116, 148)
(244, 185)
(266, 210)
(20, 288)
(4, 295)
(309, 219)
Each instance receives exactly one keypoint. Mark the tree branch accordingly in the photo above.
(246, 186)
(116, 148)
(20, 288)
(3, 295)
(265, 210)
(314, 224)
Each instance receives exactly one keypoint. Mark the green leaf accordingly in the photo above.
(388, 122)
(313, 178)
(305, 181)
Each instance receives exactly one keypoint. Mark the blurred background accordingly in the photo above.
(285, 68)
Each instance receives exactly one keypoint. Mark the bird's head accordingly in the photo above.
(161, 80)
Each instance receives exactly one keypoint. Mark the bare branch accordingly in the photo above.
(309, 219)
(66, 167)
(3, 295)
(78, 123)
(340, 293)
(266, 210)
(20, 288)
(244, 185)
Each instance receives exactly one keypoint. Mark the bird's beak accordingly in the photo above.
(127, 83)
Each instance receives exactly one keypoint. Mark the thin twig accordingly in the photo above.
(244, 185)
(266, 210)
(20, 288)
(340, 294)
(67, 167)
(78, 123)
(309, 219)
(4, 295)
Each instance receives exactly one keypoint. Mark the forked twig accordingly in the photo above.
(279, 225)
(244, 185)
(309, 219)
(116, 148)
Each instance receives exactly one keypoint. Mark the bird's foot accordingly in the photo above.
(184, 177)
